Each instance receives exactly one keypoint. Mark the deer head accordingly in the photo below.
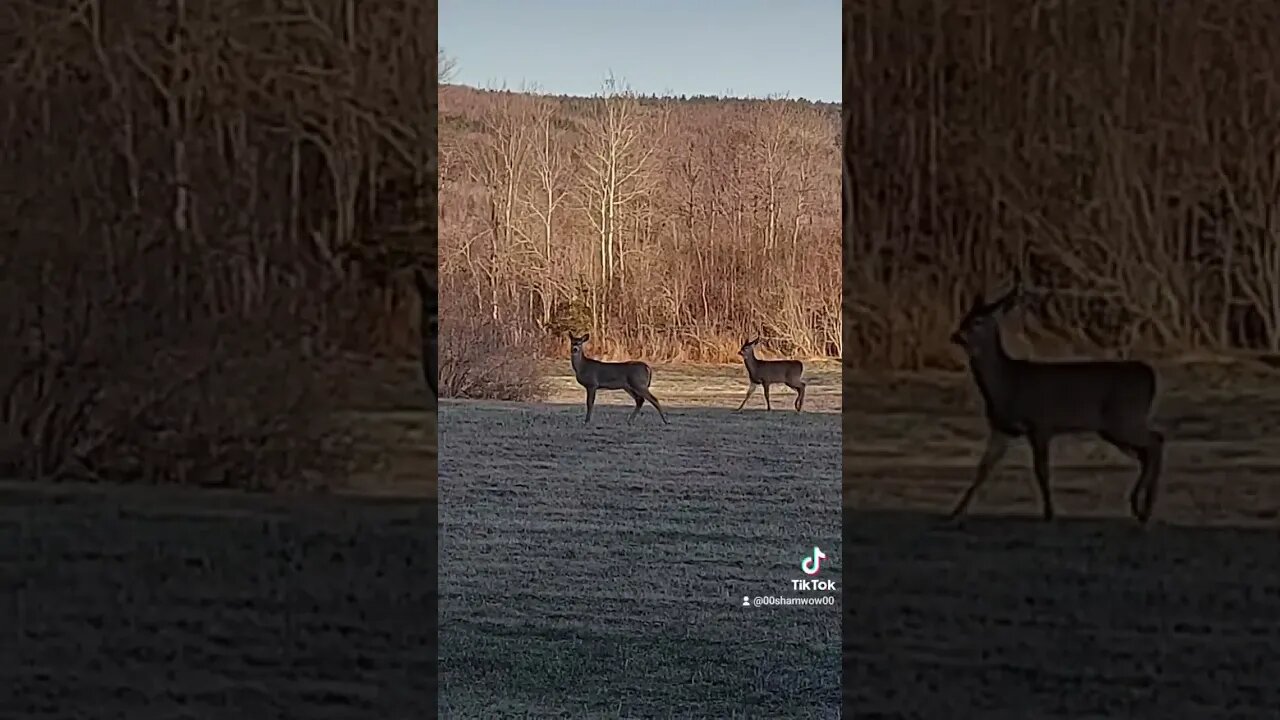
(980, 326)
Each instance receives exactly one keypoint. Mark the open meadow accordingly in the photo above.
(146, 602)
(1004, 616)
(599, 571)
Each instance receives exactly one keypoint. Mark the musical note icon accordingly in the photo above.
(811, 565)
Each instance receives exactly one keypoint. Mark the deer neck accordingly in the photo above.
(579, 361)
(991, 372)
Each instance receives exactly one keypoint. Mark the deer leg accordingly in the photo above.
(431, 366)
(591, 403)
(1140, 483)
(997, 444)
(767, 405)
(639, 403)
(750, 389)
(1040, 459)
(1147, 451)
(1152, 464)
(798, 386)
(1135, 452)
(644, 393)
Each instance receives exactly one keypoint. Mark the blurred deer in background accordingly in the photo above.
(1039, 400)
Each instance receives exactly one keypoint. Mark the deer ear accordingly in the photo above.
(1011, 298)
(586, 337)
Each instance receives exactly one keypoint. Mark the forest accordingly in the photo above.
(208, 210)
(1124, 155)
(668, 228)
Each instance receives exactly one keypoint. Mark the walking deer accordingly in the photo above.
(767, 372)
(1039, 400)
(429, 330)
(632, 376)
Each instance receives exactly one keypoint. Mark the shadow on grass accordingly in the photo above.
(148, 602)
(1012, 617)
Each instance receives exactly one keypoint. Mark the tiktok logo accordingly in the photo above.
(811, 565)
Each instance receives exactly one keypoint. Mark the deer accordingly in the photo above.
(632, 376)
(429, 329)
(767, 372)
(1040, 400)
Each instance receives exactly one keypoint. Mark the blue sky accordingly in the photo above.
(743, 48)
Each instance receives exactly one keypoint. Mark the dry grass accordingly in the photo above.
(389, 414)
(1005, 616)
(598, 571)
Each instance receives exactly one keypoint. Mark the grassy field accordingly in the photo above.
(148, 603)
(140, 603)
(599, 571)
(1005, 616)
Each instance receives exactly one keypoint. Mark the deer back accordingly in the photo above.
(772, 371)
(614, 375)
(1054, 397)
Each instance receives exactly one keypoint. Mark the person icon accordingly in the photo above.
(745, 602)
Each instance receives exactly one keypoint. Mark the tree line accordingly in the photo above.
(664, 227)
(206, 206)
(1124, 155)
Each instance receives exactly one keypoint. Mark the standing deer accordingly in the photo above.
(429, 329)
(632, 376)
(1039, 400)
(767, 372)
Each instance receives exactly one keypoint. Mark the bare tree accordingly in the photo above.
(616, 160)
(446, 67)
(497, 162)
(551, 189)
